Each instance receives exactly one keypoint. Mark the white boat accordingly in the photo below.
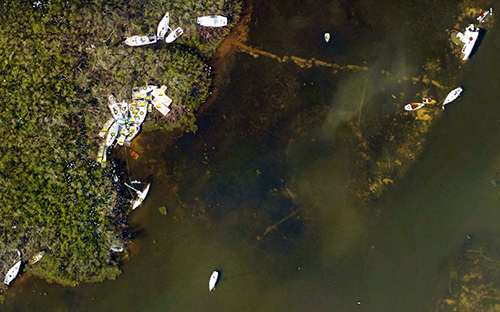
(12, 273)
(469, 39)
(212, 21)
(112, 134)
(115, 108)
(483, 16)
(174, 34)
(139, 93)
(213, 280)
(327, 37)
(134, 131)
(37, 257)
(116, 248)
(414, 106)
(141, 195)
(136, 41)
(124, 109)
(452, 96)
(162, 27)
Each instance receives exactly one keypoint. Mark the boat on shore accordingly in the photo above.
(212, 21)
(12, 273)
(327, 37)
(163, 27)
(483, 16)
(112, 134)
(136, 41)
(174, 34)
(452, 96)
(213, 280)
(414, 106)
(141, 195)
(37, 257)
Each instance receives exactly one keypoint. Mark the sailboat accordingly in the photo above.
(452, 96)
(141, 195)
(13, 271)
(213, 280)
(163, 27)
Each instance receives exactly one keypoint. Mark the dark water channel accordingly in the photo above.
(260, 191)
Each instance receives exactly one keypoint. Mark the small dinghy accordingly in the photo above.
(212, 21)
(452, 96)
(140, 195)
(37, 257)
(12, 273)
(162, 27)
(414, 106)
(483, 16)
(136, 41)
(213, 280)
(174, 35)
(327, 37)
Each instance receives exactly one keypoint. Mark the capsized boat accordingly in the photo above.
(327, 37)
(12, 273)
(414, 106)
(141, 195)
(112, 134)
(469, 38)
(452, 96)
(483, 16)
(174, 34)
(213, 280)
(162, 27)
(212, 21)
(37, 257)
(136, 41)
(116, 248)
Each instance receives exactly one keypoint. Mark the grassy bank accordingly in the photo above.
(58, 63)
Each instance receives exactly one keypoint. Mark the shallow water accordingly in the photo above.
(260, 191)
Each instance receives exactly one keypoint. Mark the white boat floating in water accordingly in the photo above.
(452, 96)
(136, 41)
(141, 195)
(213, 280)
(212, 21)
(483, 16)
(327, 37)
(469, 38)
(163, 27)
(174, 34)
(12, 273)
(414, 106)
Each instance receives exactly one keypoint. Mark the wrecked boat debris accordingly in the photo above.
(141, 195)
(469, 38)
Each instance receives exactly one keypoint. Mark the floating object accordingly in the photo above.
(163, 27)
(414, 106)
(483, 16)
(452, 96)
(174, 34)
(37, 257)
(469, 39)
(12, 273)
(212, 21)
(426, 100)
(136, 41)
(213, 280)
(140, 195)
(327, 37)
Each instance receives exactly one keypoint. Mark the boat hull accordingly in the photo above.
(141, 196)
(12, 273)
(212, 21)
(163, 27)
(213, 280)
(452, 96)
(414, 106)
(174, 35)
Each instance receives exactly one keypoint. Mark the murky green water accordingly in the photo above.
(260, 191)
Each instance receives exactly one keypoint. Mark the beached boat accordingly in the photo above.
(212, 21)
(112, 134)
(136, 41)
(141, 195)
(139, 93)
(327, 37)
(134, 131)
(115, 108)
(469, 38)
(174, 34)
(452, 96)
(483, 16)
(37, 257)
(414, 106)
(12, 273)
(162, 27)
(213, 280)
(116, 248)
